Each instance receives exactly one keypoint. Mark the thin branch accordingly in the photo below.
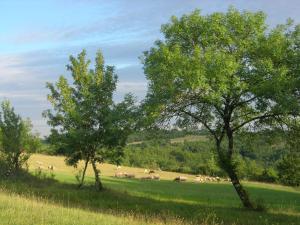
(253, 119)
(204, 123)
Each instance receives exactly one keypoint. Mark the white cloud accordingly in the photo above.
(133, 87)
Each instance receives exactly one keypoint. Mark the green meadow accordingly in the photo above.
(39, 199)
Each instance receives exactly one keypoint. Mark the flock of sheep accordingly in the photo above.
(152, 175)
(42, 167)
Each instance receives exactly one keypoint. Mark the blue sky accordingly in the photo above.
(37, 37)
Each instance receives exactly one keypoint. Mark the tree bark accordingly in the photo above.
(243, 195)
(230, 169)
(84, 171)
(226, 163)
(98, 183)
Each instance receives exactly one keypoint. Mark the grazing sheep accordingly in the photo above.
(180, 179)
(118, 167)
(39, 163)
(51, 167)
(156, 177)
(129, 175)
(151, 171)
(198, 179)
(119, 174)
(209, 179)
(146, 178)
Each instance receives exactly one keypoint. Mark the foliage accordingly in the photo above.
(173, 157)
(86, 122)
(17, 140)
(289, 169)
(159, 133)
(198, 158)
(225, 71)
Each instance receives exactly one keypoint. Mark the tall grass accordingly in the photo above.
(126, 201)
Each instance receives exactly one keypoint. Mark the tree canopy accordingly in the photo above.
(225, 71)
(86, 121)
(16, 138)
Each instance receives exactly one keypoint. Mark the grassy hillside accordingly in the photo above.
(35, 200)
(17, 210)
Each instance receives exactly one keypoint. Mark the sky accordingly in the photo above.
(37, 38)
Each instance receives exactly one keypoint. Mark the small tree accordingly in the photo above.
(86, 122)
(16, 137)
(226, 71)
(289, 169)
(289, 165)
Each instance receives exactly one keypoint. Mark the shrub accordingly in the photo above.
(268, 175)
(289, 169)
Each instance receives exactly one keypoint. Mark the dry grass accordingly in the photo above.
(106, 169)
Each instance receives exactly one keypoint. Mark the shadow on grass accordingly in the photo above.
(120, 198)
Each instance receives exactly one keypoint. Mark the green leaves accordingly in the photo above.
(17, 141)
(223, 66)
(86, 122)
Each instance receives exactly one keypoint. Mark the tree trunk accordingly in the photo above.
(98, 183)
(232, 173)
(84, 171)
(239, 188)
(227, 165)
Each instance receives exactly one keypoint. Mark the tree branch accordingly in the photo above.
(201, 121)
(253, 119)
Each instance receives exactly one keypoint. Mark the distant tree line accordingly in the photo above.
(149, 134)
(263, 156)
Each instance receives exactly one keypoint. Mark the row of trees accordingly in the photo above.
(272, 162)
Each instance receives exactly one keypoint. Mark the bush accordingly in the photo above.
(268, 175)
(289, 169)
(4, 167)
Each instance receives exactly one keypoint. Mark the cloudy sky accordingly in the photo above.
(36, 38)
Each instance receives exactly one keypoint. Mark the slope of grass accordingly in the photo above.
(134, 201)
(43, 161)
(17, 210)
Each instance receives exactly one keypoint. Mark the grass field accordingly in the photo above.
(33, 200)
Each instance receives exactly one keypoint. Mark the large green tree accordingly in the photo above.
(225, 71)
(16, 138)
(86, 122)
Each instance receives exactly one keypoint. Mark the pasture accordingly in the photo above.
(41, 200)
